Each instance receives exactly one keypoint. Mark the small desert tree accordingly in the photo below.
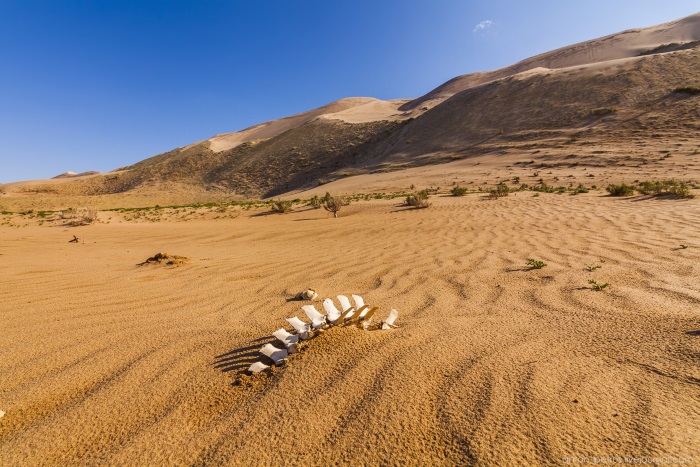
(334, 204)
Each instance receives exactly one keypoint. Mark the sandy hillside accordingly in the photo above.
(370, 109)
(103, 361)
(626, 44)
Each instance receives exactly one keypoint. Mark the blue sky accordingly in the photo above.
(96, 85)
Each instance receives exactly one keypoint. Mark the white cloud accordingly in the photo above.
(483, 25)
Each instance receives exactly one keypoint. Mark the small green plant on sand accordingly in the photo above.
(316, 202)
(620, 190)
(596, 286)
(592, 268)
(500, 191)
(459, 190)
(535, 264)
(281, 206)
(683, 246)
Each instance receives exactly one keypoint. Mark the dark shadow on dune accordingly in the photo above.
(405, 208)
(307, 219)
(694, 333)
(263, 214)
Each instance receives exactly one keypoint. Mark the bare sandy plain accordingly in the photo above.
(103, 361)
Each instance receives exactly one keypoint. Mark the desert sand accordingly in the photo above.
(107, 358)
(104, 361)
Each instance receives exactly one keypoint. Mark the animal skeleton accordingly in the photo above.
(301, 327)
(279, 356)
(257, 367)
(389, 322)
(289, 340)
(317, 319)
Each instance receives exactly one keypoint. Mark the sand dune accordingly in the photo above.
(372, 109)
(626, 44)
(103, 361)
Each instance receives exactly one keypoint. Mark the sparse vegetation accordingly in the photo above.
(315, 202)
(459, 190)
(596, 286)
(334, 204)
(535, 264)
(418, 200)
(592, 267)
(620, 190)
(500, 191)
(79, 216)
(281, 206)
(683, 246)
(670, 188)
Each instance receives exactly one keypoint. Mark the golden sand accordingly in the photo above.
(106, 362)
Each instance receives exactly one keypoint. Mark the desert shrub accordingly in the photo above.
(680, 191)
(459, 190)
(418, 200)
(650, 188)
(620, 190)
(79, 216)
(500, 191)
(543, 188)
(334, 204)
(671, 188)
(281, 206)
(687, 89)
(323, 181)
(315, 202)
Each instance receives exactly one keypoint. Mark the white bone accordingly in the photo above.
(332, 313)
(257, 367)
(317, 319)
(301, 327)
(289, 340)
(344, 302)
(389, 322)
(359, 303)
(277, 355)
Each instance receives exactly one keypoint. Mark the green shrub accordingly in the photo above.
(543, 188)
(500, 191)
(459, 190)
(670, 188)
(315, 202)
(620, 190)
(680, 191)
